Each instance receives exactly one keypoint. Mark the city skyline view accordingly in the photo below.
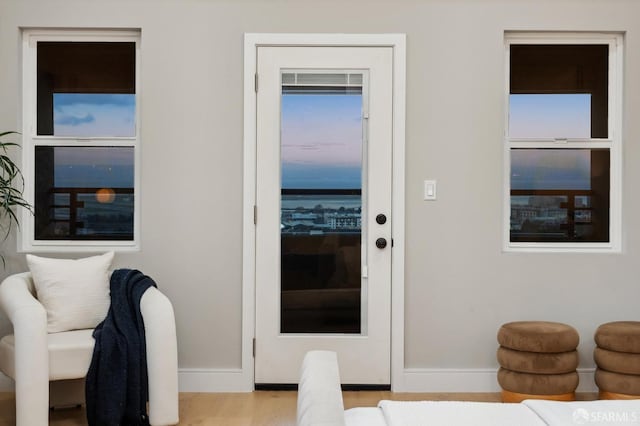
(100, 179)
(553, 196)
(321, 148)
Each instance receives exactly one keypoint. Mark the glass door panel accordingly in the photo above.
(321, 208)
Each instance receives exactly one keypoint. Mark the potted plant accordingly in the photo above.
(11, 189)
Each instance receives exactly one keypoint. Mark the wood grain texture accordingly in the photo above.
(262, 408)
(508, 396)
(614, 395)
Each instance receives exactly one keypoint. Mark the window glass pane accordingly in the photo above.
(550, 116)
(322, 141)
(560, 195)
(84, 193)
(321, 204)
(86, 89)
(92, 114)
(558, 91)
(550, 169)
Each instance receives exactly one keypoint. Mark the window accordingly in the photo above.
(81, 139)
(563, 142)
(321, 204)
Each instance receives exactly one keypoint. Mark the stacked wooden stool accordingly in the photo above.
(538, 360)
(617, 357)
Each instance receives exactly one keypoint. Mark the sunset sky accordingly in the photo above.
(322, 137)
(550, 115)
(93, 115)
(321, 141)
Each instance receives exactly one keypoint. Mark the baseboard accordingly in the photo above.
(413, 380)
(189, 380)
(449, 380)
(213, 380)
(468, 380)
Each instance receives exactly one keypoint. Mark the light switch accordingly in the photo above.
(429, 189)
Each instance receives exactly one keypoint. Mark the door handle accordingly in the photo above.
(381, 243)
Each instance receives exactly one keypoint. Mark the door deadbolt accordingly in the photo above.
(381, 219)
(381, 243)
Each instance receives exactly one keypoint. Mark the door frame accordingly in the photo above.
(251, 43)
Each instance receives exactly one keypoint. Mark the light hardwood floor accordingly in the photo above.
(262, 408)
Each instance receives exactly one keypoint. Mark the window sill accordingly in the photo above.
(600, 248)
(79, 247)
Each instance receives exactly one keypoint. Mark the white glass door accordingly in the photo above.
(323, 233)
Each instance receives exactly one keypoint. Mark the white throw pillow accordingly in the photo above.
(75, 293)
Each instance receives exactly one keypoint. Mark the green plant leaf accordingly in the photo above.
(11, 190)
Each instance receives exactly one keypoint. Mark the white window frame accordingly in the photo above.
(26, 237)
(613, 142)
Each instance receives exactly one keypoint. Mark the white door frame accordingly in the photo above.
(251, 43)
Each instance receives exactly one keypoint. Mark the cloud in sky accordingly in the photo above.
(70, 120)
(322, 130)
(120, 99)
(94, 114)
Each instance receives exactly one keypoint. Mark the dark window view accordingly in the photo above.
(321, 203)
(559, 195)
(85, 90)
(84, 193)
(564, 84)
(559, 92)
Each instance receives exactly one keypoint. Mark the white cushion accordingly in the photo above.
(359, 416)
(419, 413)
(69, 354)
(601, 412)
(75, 293)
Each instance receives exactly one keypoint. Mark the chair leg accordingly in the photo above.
(32, 369)
(32, 402)
(162, 357)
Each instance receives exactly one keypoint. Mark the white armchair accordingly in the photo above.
(32, 357)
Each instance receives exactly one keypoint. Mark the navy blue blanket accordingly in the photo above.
(116, 384)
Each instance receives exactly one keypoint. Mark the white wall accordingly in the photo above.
(460, 286)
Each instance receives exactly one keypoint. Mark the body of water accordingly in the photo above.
(291, 202)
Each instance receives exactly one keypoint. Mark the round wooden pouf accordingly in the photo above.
(538, 360)
(617, 357)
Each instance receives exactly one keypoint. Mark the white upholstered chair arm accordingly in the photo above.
(162, 357)
(29, 320)
(319, 393)
(16, 294)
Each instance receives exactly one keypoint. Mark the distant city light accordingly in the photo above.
(105, 195)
